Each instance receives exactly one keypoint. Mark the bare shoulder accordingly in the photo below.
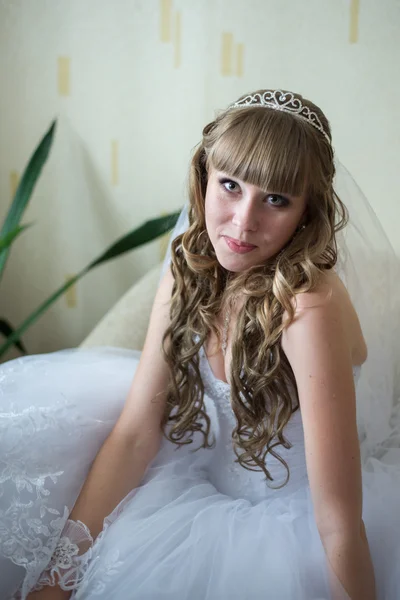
(329, 308)
(329, 291)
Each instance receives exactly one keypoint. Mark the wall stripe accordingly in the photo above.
(64, 77)
(114, 162)
(14, 181)
(227, 54)
(177, 40)
(165, 20)
(239, 60)
(71, 293)
(354, 14)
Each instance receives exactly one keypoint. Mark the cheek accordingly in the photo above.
(208, 211)
(283, 226)
(215, 211)
(289, 226)
(210, 218)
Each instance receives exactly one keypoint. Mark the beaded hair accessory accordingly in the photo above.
(284, 101)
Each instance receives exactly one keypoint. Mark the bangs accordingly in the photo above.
(267, 148)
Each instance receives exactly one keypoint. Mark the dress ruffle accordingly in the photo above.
(176, 536)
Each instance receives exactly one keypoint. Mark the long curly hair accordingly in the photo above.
(273, 150)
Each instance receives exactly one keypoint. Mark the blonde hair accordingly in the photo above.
(273, 150)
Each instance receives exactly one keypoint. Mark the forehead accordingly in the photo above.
(267, 150)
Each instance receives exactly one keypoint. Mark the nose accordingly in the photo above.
(245, 217)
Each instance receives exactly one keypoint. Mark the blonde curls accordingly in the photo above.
(273, 150)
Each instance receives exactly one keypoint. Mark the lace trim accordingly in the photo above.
(70, 559)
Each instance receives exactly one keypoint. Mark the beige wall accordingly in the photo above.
(132, 82)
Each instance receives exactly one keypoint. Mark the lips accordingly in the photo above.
(238, 246)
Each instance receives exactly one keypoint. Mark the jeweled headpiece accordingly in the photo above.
(284, 101)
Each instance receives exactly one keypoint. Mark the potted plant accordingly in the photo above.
(12, 228)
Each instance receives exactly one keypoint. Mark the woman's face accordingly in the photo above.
(248, 225)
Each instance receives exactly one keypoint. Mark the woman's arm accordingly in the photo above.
(134, 441)
(319, 349)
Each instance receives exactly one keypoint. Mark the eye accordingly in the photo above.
(229, 185)
(277, 200)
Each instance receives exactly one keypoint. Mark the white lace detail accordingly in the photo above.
(235, 477)
(102, 566)
(70, 559)
(39, 479)
(29, 526)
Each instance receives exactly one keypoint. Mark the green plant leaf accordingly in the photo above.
(147, 232)
(25, 189)
(7, 330)
(7, 240)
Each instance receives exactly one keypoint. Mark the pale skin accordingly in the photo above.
(322, 344)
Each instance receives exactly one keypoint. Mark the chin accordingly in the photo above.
(236, 264)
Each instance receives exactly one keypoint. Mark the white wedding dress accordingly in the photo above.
(199, 527)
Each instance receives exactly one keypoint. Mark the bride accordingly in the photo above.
(231, 458)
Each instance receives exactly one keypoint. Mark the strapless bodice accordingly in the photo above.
(229, 476)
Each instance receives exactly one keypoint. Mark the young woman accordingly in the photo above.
(230, 467)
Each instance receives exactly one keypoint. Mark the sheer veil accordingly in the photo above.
(370, 269)
(368, 266)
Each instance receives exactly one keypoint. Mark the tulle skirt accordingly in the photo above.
(176, 536)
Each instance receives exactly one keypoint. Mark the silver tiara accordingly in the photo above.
(285, 101)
